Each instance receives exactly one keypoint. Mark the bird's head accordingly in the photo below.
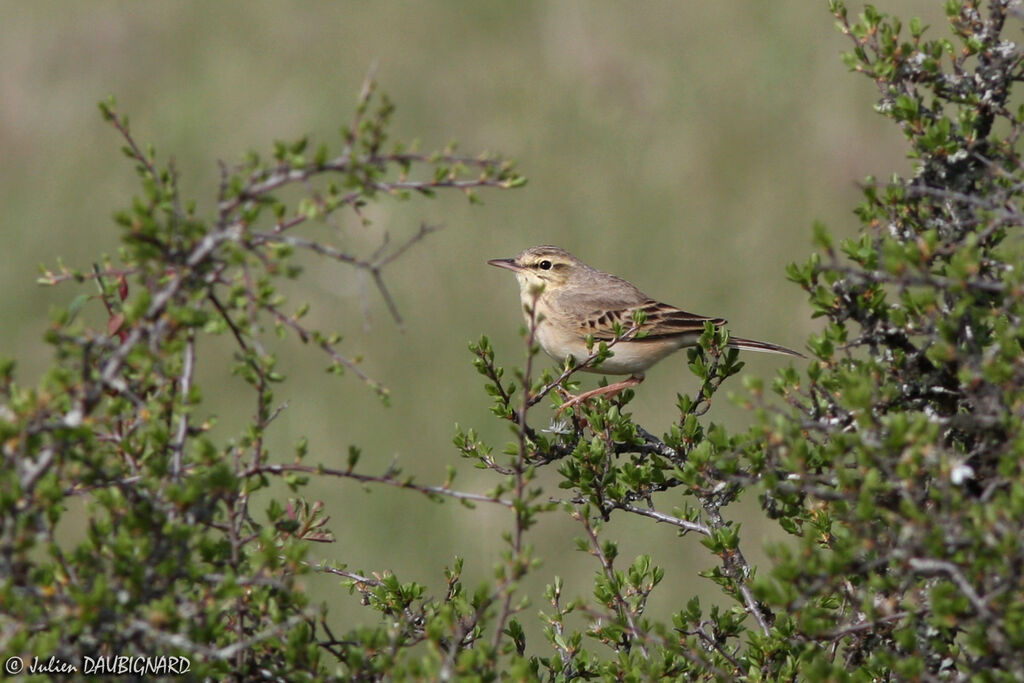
(547, 266)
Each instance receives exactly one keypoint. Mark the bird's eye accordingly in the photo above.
(545, 265)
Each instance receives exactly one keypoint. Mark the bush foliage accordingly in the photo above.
(893, 461)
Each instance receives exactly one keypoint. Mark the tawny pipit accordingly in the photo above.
(575, 301)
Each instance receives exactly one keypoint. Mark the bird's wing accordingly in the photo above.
(661, 321)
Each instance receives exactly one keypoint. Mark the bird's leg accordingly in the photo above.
(564, 393)
(600, 391)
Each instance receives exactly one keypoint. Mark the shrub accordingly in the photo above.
(893, 461)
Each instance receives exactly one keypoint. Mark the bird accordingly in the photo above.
(566, 302)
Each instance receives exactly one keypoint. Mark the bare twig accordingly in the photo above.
(683, 524)
(933, 566)
(387, 479)
(178, 445)
(737, 568)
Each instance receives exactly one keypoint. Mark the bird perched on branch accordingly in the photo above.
(568, 301)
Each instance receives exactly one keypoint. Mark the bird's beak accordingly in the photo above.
(506, 263)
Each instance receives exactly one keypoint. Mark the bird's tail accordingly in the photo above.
(751, 345)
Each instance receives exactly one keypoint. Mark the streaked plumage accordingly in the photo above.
(577, 300)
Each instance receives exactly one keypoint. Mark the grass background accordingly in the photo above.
(685, 146)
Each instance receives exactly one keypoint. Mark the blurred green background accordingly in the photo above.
(685, 146)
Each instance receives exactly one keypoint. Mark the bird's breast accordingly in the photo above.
(629, 358)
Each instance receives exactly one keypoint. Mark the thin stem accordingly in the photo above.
(585, 363)
(387, 479)
(609, 572)
(518, 467)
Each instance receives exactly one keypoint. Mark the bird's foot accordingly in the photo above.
(600, 391)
